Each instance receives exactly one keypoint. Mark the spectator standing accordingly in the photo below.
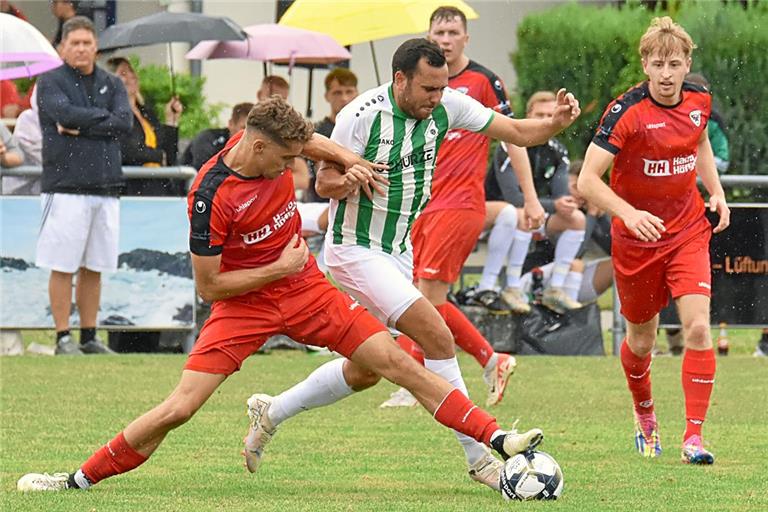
(272, 84)
(209, 142)
(150, 143)
(63, 10)
(83, 112)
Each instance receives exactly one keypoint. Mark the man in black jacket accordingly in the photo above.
(83, 111)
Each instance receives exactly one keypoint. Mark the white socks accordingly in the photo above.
(517, 254)
(499, 242)
(449, 370)
(324, 386)
(572, 284)
(568, 244)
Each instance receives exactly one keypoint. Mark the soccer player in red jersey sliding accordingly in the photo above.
(250, 260)
(655, 135)
(446, 232)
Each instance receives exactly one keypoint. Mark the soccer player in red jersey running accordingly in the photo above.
(655, 135)
(446, 232)
(250, 260)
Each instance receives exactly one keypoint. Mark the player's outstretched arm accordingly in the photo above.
(707, 170)
(212, 284)
(320, 148)
(644, 225)
(532, 132)
(334, 182)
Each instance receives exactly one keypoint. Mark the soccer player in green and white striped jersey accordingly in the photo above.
(367, 249)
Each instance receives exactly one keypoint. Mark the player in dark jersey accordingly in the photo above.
(655, 135)
(250, 260)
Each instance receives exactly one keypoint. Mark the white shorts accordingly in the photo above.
(381, 282)
(310, 214)
(78, 231)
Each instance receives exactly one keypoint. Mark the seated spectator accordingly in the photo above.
(716, 133)
(30, 139)
(509, 240)
(209, 142)
(272, 84)
(149, 143)
(10, 154)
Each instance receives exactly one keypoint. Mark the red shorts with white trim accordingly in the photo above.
(442, 242)
(647, 276)
(310, 311)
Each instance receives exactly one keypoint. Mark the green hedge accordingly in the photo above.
(156, 87)
(593, 52)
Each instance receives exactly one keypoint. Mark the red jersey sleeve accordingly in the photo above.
(615, 127)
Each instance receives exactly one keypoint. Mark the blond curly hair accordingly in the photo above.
(665, 37)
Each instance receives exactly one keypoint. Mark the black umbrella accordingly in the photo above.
(169, 27)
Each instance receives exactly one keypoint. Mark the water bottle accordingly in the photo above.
(722, 340)
(537, 284)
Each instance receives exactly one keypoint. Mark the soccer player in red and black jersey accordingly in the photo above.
(446, 232)
(655, 135)
(251, 262)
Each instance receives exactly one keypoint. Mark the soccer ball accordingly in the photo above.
(531, 476)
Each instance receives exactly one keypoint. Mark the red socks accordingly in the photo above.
(698, 381)
(459, 413)
(465, 333)
(638, 373)
(112, 459)
(411, 348)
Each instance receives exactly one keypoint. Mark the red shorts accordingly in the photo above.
(309, 311)
(647, 276)
(442, 242)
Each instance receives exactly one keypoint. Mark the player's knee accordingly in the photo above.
(697, 332)
(359, 378)
(642, 344)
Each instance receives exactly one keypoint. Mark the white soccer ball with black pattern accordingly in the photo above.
(531, 476)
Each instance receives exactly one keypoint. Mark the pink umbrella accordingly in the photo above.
(274, 43)
(24, 51)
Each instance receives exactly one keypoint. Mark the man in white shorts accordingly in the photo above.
(83, 110)
(368, 248)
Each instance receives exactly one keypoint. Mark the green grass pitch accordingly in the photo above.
(355, 456)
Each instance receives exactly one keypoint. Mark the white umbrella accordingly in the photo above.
(24, 51)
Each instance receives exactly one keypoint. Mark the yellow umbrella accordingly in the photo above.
(358, 21)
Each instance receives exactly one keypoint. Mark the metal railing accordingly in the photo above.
(181, 172)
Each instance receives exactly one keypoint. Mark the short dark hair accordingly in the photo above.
(279, 121)
(408, 55)
(241, 110)
(77, 23)
(342, 75)
(447, 13)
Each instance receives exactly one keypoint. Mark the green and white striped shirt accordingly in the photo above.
(375, 128)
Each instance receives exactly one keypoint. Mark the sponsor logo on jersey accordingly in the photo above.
(265, 231)
(704, 285)
(656, 167)
(616, 108)
(453, 135)
(695, 116)
(678, 165)
(354, 306)
(654, 126)
(415, 159)
(431, 270)
(200, 206)
(387, 142)
(246, 204)
(497, 84)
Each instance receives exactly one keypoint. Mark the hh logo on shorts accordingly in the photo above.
(656, 168)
